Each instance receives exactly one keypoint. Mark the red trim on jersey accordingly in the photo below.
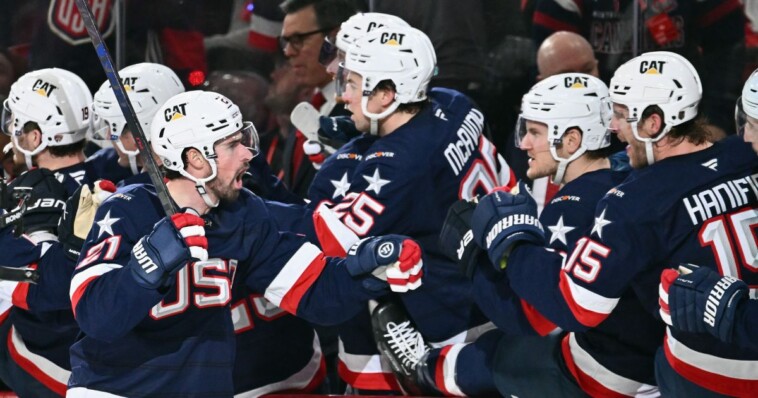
(439, 371)
(717, 13)
(551, 23)
(589, 385)
(33, 370)
(330, 245)
(291, 299)
(582, 315)
(719, 383)
(367, 381)
(4, 316)
(79, 292)
(21, 292)
(539, 323)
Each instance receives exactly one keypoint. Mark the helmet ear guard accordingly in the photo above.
(198, 119)
(660, 78)
(563, 102)
(57, 100)
(403, 55)
(148, 86)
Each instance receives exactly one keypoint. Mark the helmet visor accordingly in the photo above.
(250, 138)
(746, 125)
(328, 51)
(519, 131)
(6, 121)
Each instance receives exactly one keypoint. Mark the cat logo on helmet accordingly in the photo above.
(43, 88)
(175, 112)
(373, 25)
(652, 67)
(129, 82)
(392, 39)
(575, 81)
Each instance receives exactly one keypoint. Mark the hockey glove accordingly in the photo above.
(80, 212)
(174, 242)
(699, 300)
(502, 220)
(336, 131)
(457, 240)
(391, 259)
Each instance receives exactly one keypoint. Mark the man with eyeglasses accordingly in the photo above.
(306, 24)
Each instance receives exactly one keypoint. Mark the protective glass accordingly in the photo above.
(6, 121)
(341, 79)
(250, 138)
(328, 51)
(743, 122)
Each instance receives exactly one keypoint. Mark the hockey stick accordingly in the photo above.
(126, 108)
(25, 275)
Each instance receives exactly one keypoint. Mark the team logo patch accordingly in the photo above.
(64, 20)
(386, 249)
(43, 88)
(575, 81)
(652, 67)
(392, 39)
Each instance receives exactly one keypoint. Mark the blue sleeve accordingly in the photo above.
(297, 277)
(261, 180)
(746, 325)
(51, 292)
(106, 300)
(17, 251)
(499, 303)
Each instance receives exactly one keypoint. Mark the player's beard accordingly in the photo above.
(225, 190)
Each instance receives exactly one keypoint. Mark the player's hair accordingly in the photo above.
(329, 13)
(411, 107)
(694, 130)
(61, 150)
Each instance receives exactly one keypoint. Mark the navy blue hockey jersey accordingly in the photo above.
(404, 183)
(138, 342)
(565, 219)
(698, 208)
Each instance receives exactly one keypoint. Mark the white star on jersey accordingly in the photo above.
(600, 223)
(559, 231)
(106, 224)
(341, 186)
(375, 182)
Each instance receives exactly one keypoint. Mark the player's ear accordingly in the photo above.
(386, 96)
(195, 161)
(572, 140)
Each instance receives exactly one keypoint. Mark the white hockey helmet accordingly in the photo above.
(565, 101)
(197, 119)
(359, 25)
(660, 78)
(148, 86)
(747, 105)
(403, 55)
(333, 50)
(57, 100)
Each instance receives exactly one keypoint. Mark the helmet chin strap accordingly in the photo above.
(649, 141)
(28, 155)
(200, 184)
(374, 118)
(133, 163)
(563, 163)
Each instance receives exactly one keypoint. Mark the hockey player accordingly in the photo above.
(48, 115)
(34, 358)
(717, 302)
(152, 298)
(674, 208)
(420, 151)
(564, 129)
(148, 86)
